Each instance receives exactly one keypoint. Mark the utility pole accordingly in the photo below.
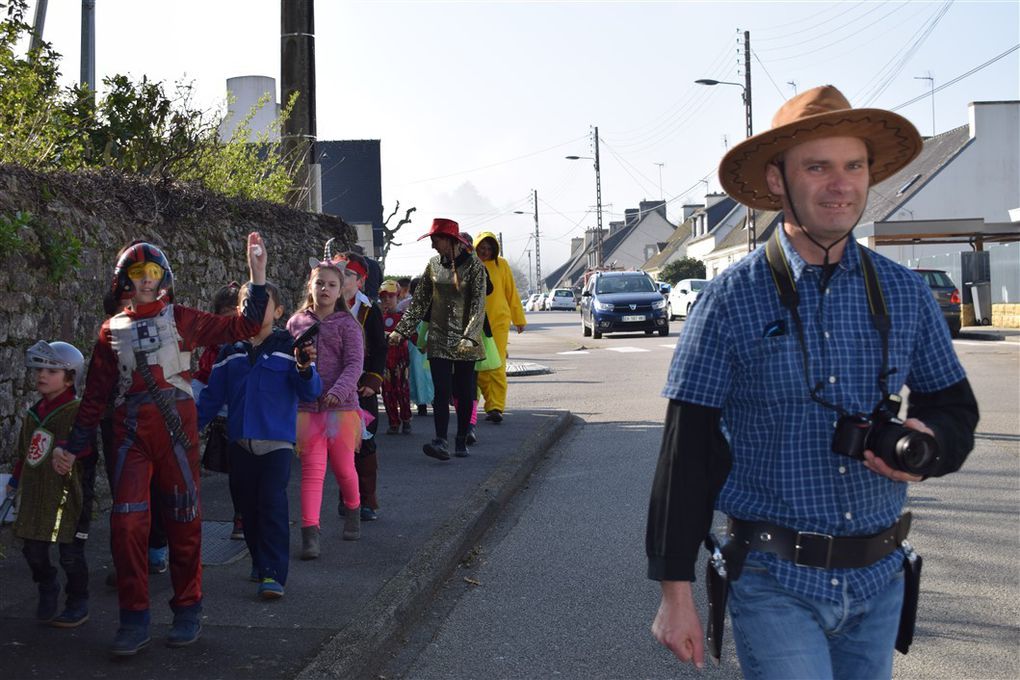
(598, 202)
(538, 256)
(88, 47)
(501, 244)
(38, 24)
(661, 195)
(297, 75)
(751, 236)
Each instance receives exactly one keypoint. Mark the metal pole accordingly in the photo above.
(297, 75)
(529, 269)
(598, 202)
(88, 45)
(38, 24)
(538, 257)
(661, 195)
(751, 236)
(501, 243)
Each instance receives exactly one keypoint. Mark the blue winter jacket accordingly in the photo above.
(261, 390)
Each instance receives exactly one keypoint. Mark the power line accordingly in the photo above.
(820, 35)
(786, 34)
(829, 41)
(781, 95)
(925, 32)
(957, 79)
(492, 165)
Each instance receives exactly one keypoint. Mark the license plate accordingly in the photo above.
(638, 317)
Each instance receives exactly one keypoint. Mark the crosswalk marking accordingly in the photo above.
(575, 351)
(626, 350)
(673, 346)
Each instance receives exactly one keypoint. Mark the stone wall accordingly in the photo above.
(203, 234)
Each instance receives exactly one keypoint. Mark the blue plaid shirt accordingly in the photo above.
(783, 470)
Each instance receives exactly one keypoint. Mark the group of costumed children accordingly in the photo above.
(275, 392)
(314, 385)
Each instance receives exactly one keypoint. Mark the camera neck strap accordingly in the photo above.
(786, 287)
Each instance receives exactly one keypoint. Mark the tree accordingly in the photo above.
(137, 127)
(684, 268)
(389, 233)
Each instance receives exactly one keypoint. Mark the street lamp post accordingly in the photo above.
(746, 88)
(598, 197)
(538, 256)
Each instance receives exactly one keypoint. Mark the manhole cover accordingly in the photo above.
(217, 546)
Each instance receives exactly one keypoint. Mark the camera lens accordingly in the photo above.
(916, 451)
(905, 449)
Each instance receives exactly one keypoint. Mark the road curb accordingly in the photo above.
(357, 649)
(988, 336)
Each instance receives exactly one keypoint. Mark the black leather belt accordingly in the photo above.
(821, 551)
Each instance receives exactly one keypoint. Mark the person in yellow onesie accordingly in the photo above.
(503, 307)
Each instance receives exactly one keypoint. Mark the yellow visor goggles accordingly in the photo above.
(140, 271)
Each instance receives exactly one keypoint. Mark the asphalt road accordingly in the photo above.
(557, 588)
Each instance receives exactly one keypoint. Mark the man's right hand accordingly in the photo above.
(677, 626)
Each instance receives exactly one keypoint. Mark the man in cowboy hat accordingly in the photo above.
(797, 351)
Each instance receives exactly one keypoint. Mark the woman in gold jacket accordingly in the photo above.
(503, 307)
(451, 296)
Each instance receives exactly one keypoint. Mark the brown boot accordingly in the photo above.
(309, 542)
(352, 524)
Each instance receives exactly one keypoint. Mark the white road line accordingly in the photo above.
(575, 351)
(673, 346)
(626, 350)
(986, 343)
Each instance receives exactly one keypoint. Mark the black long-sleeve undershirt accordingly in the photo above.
(694, 461)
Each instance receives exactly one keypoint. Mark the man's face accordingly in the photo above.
(827, 180)
(388, 301)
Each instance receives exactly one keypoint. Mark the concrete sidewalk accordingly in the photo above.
(339, 612)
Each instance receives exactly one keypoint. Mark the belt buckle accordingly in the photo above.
(811, 552)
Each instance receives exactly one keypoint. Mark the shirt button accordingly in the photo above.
(834, 581)
(834, 424)
(842, 470)
(828, 291)
(826, 334)
(832, 380)
(849, 515)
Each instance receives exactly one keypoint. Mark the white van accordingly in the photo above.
(682, 297)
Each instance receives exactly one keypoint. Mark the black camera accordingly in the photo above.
(885, 435)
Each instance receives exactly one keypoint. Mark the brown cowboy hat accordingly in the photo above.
(444, 227)
(821, 112)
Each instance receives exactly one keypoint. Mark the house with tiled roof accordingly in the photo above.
(629, 244)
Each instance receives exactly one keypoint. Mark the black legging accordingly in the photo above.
(452, 379)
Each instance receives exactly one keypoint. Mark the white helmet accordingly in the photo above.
(58, 355)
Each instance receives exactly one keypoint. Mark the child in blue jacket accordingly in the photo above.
(261, 380)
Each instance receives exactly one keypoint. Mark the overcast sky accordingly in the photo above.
(477, 103)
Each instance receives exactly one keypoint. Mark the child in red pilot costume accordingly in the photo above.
(396, 389)
(144, 354)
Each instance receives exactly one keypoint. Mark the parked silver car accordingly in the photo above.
(560, 298)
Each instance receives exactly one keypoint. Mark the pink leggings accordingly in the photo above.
(333, 435)
(474, 410)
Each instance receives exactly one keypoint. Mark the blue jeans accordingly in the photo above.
(259, 483)
(781, 635)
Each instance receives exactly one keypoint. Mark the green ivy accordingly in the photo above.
(10, 236)
(58, 247)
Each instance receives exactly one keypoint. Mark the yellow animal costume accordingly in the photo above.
(503, 307)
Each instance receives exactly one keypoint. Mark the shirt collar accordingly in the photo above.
(850, 261)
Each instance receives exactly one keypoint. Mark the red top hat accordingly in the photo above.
(444, 227)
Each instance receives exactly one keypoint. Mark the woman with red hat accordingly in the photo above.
(452, 295)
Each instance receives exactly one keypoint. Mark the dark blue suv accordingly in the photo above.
(622, 302)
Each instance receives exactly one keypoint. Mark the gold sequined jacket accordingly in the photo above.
(457, 308)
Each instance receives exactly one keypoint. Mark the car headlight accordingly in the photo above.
(659, 304)
(603, 306)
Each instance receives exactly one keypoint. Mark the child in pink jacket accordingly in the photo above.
(329, 429)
